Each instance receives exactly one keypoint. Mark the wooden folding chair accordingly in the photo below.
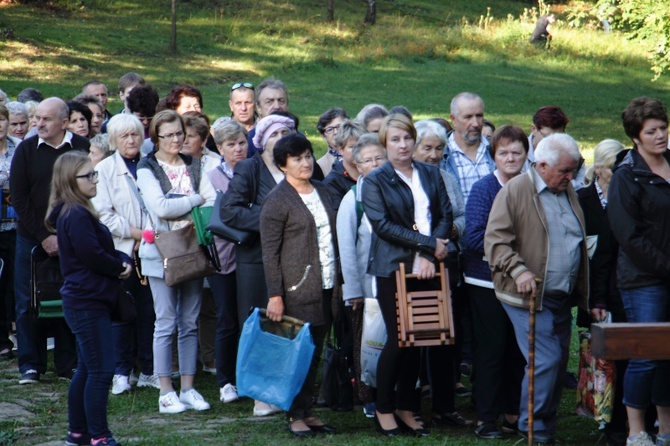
(425, 318)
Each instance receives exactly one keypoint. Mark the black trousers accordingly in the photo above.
(397, 365)
(302, 403)
(498, 365)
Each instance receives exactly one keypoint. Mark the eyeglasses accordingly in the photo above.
(377, 160)
(332, 130)
(178, 135)
(91, 176)
(248, 85)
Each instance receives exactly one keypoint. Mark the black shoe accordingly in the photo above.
(465, 368)
(420, 432)
(510, 428)
(301, 434)
(391, 433)
(29, 377)
(323, 429)
(488, 431)
(451, 419)
(7, 354)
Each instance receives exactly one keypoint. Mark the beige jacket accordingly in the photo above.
(517, 240)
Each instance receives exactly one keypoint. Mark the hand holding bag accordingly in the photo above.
(272, 368)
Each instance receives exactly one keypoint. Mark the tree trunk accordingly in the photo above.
(371, 14)
(331, 10)
(173, 32)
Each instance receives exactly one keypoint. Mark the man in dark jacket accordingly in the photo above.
(30, 182)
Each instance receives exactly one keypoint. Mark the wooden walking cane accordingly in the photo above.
(531, 365)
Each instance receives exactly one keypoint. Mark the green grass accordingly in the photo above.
(134, 419)
(420, 54)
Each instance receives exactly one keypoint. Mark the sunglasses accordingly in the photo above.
(248, 85)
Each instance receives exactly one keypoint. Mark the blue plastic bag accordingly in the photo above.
(272, 368)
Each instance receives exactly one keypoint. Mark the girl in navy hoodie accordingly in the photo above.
(92, 270)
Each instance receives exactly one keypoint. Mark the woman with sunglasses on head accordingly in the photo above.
(172, 184)
(92, 270)
(410, 213)
(121, 209)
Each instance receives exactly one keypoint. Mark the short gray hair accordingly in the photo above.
(3, 96)
(226, 130)
(101, 141)
(371, 112)
(122, 123)
(454, 106)
(428, 127)
(17, 108)
(366, 140)
(272, 83)
(553, 146)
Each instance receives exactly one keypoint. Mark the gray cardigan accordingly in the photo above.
(291, 251)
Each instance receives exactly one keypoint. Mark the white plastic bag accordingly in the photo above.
(374, 338)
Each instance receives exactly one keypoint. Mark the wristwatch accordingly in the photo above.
(124, 265)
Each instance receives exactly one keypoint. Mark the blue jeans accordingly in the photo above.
(552, 343)
(31, 333)
(134, 340)
(647, 381)
(89, 389)
(224, 290)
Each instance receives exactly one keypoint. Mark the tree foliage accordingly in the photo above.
(647, 21)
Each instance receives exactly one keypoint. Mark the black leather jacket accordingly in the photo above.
(389, 206)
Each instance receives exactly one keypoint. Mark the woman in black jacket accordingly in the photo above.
(605, 299)
(409, 209)
(639, 213)
(252, 181)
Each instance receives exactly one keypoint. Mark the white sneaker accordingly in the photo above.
(641, 439)
(228, 393)
(170, 403)
(262, 409)
(148, 381)
(193, 400)
(120, 385)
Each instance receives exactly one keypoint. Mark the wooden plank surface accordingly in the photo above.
(631, 341)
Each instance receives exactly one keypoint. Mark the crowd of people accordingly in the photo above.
(512, 215)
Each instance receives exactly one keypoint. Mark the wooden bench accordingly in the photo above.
(631, 341)
(424, 317)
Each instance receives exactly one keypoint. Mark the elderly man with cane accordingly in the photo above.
(535, 246)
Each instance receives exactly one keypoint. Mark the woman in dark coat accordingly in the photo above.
(300, 258)
(639, 214)
(605, 298)
(409, 209)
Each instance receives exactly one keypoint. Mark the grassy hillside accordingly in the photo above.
(419, 55)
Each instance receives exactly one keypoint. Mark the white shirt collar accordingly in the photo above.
(67, 139)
